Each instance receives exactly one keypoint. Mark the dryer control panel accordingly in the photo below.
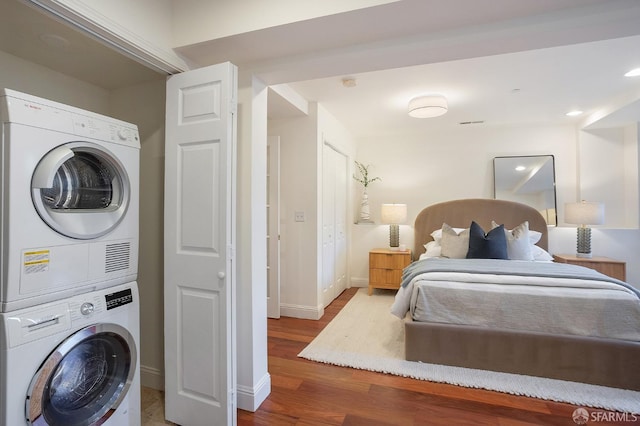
(95, 128)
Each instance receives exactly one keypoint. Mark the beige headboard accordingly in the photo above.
(460, 213)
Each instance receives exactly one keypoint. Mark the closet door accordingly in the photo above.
(340, 220)
(334, 224)
(328, 225)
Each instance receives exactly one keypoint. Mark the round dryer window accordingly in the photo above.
(80, 190)
(84, 380)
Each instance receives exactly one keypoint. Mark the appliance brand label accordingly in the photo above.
(36, 261)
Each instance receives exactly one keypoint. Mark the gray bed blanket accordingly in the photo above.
(508, 267)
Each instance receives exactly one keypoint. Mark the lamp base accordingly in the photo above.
(584, 255)
(394, 235)
(584, 242)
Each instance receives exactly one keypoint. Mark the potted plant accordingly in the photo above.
(365, 180)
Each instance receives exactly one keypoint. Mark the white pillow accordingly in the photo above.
(454, 245)
(540, 254)
(433, 249)
(518, 241)
(437, 234)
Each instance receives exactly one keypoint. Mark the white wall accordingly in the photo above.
(298, 193)
(253, 379)
(197, 21)
(301, 143)
(608, 173)
(144, 105)
(436, 166)
(27, 77)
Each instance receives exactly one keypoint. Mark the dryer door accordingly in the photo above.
(80, 190)
(84, 379)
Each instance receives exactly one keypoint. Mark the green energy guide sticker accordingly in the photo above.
(36, 261)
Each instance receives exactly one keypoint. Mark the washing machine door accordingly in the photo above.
(80, 190)
(84, 379)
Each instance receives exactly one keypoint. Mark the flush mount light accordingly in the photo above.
(520, 168)
(428, 106)
(574, 113)
(633, 73)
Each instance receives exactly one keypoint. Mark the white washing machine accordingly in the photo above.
(73, 362)
(70, 202)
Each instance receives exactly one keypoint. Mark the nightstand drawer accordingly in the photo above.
(385, 268)
(389, 261)
(611, 267)
(385, 276)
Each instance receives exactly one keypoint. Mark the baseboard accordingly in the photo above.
(301, 311)
(249, 399)
(359, 282)
(151, 378)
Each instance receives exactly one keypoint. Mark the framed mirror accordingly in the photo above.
(528, 180)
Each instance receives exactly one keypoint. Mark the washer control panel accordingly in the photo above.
(118, 299)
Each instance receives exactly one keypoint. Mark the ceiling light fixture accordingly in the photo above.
(428, 106)
(574, 113)
(633, 73)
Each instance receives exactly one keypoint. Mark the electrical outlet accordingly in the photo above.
(299, 216)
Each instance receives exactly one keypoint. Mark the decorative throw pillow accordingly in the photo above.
(492, 245)
(454, 245)
(437, 234)
(518, 241)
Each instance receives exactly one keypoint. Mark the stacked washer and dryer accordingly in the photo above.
(69, 309)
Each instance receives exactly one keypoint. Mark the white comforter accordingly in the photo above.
(542, 304)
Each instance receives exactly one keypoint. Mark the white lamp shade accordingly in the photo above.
(584, 213)
(428, 106)
(394, 213)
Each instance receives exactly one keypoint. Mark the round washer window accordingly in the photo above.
(84, 380)
(80, 190)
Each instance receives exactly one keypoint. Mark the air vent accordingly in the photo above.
(117, 257)
(472, 122)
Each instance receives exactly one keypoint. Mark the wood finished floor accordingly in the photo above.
(307, 393)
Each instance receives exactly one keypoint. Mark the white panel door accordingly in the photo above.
(340, 220)
(273, 227)
(334, 223)
(199, 290)
(328, 225)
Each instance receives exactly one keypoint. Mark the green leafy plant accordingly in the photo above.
(364, 173)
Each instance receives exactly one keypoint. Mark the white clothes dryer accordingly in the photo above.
(70, 201)
(73, 362)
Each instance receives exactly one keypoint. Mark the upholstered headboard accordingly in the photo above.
(460, 213)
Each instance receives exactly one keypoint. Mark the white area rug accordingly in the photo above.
(366, 336)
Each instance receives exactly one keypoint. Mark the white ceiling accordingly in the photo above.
(23, 31)
(500, 62)
(532, 87)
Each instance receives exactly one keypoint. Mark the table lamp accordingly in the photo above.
(394, 214)
(583, 214)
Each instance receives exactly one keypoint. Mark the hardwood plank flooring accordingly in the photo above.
(309, 393)
(306, 393)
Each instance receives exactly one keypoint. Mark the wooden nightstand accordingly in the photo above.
(614, 268)
(385, 268)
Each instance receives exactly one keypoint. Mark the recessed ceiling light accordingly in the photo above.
(520, 168)
(633, 73)
(574, 113)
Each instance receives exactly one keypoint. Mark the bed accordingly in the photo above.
(485, 317)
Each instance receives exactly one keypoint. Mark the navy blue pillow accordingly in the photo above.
(492, 245)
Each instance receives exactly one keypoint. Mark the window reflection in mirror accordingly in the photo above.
(528, 180)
